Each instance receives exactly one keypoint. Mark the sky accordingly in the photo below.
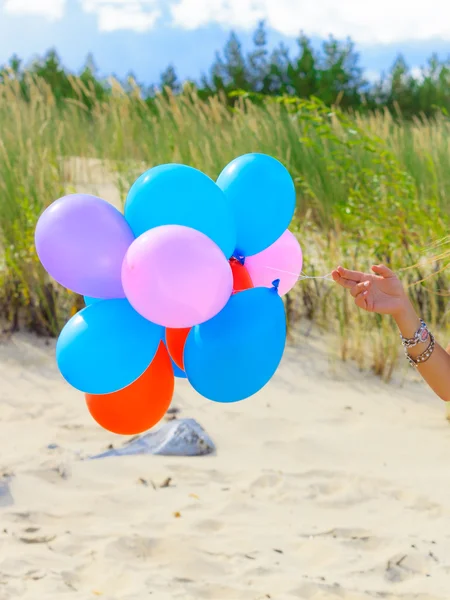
(144, 36)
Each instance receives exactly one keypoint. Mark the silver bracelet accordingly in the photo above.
(415, 362)
(420, 337)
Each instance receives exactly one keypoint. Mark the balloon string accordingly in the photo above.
(298, 277)
(302, 276)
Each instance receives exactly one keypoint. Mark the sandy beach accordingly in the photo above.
(327, 485)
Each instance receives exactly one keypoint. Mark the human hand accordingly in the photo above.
(381, 292)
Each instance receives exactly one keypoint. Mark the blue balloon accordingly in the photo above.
(178, 372)
(106, 347)
(262, 195)
(181, 195)
(234, 355)
(88, 300)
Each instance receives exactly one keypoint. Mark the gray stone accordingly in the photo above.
(180, 437)
(6, 498)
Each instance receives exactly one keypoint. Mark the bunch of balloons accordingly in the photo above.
(186, 283)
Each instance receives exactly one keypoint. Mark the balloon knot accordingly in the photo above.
(276, 284)
(241, 259)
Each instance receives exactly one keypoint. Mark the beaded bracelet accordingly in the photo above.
(415, 362)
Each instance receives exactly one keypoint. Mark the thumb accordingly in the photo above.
(383, 271)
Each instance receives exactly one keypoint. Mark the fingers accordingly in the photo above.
(350, 282)
(360, 288)
(346, 283)
(351, 275)
(363, 299)
(335, 275)
(383, 271)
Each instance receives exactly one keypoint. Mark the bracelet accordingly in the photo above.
(420, 337)
(415, 362)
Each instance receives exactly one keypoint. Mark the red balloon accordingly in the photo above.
(241, 278)
(175, 340)
(141, 405)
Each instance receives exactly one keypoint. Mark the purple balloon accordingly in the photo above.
(81, 241)
(176, 276)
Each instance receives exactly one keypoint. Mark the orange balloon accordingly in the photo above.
(142, 404)
(241, 277)
(175, 340)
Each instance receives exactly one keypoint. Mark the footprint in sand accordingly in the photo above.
(267, 481)
(406, 566)
(358, 539)
(139, 547)
(209, 526)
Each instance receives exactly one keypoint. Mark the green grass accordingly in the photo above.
(369, 189)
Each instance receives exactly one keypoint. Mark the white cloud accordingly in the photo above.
(380, 22)
(384, 21)
(51, 9)
(124, 14)
(192, 14)
(372, 76)
(418, 73)
(137, 15)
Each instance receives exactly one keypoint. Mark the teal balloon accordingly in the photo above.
(181, 195)
(261, 193)
(88, 300)
(235, 354)
(106, 347)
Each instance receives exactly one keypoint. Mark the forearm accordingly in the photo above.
(436, 370)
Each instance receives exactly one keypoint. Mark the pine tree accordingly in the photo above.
(219, 74)
(277, 80)
(90, 80)
(169, 79)
(13, 69)
(434, 87)
(230, 72)
(341, 75)
(402, 87)
(15, 65)
(334, 74)
(258, 66)
(51, 70)
(303, 72)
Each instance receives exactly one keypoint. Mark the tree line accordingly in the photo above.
(333, 74)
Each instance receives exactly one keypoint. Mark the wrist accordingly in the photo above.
(407, 319)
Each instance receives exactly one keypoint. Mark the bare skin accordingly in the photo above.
(382, 292)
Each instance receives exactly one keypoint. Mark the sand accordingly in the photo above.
(327, 485)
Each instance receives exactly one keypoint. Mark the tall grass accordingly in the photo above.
(369, 189)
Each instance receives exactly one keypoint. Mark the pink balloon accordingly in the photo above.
(282, 260)
(176, 276)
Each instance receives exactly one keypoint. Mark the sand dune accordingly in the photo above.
(327, 485)
(98, 177)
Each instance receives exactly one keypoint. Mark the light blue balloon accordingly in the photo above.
(234, 355)
(106, 347)
(177, 371)
(181, 195)
(88, 300)
(262, 195)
